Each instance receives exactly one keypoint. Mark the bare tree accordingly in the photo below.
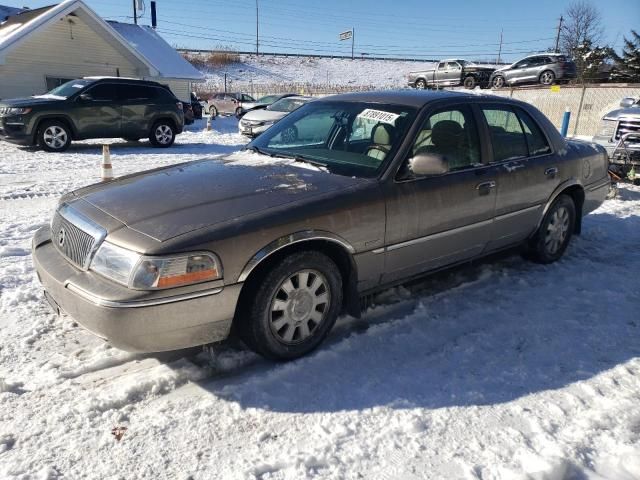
(583, 25)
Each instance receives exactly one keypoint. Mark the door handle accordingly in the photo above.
(551, 171)
(485, 187)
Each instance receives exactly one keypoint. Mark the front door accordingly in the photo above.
(433, 221)
(528, 172)
(98, 115)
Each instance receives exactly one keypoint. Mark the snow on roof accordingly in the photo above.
(6, 11)
(157, 51)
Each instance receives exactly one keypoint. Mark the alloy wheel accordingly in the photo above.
(163, 134)
(547, 78)
(55, 137)
(557, 230)
(498, 82)
(300, 305)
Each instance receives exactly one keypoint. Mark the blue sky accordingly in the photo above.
(407, 28)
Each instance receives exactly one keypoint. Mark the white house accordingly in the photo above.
(44, 47)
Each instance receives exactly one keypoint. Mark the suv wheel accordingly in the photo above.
(498, 81)
(162, 134)
(54, 136)
(421, 84)
(554, 234)
(213, 111)
(469, 82)
(238, 112)
(547, 77)
(295, 305)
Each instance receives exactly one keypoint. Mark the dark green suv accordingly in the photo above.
(93, 108)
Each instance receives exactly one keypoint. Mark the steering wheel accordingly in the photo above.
(380, 148)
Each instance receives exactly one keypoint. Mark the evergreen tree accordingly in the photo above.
(630, 60)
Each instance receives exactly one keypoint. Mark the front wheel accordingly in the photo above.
(213, 112)
(498, 82)
(162, 134)
(295, 305)
(554, 234)
(54, 136)
(547, 78)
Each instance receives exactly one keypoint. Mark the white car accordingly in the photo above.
(255, 122)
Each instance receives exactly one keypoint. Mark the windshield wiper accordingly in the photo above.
(255, 149)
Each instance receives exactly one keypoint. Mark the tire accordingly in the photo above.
(238, 112)
(469, 82)
(289, 134)
(547, 77)
(163, 134)
(213, 111)
(421, 84)
(498, 81)
(554, 234)
(286, 320)
(54, 136)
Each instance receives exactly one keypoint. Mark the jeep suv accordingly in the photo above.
(93, 108)
(545, 69)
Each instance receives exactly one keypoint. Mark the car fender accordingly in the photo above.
(53, 116)
(569, 183)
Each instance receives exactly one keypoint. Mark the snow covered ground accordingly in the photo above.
(313, 70)
(499, 370)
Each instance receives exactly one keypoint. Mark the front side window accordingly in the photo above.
(349, 138)
(507, 137)
(451, 133)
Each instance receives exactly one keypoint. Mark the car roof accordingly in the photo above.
(410, 98)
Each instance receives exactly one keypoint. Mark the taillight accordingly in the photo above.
(179, 104)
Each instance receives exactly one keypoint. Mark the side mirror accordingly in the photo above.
(628, 102)
(428, 164)
(86, 97)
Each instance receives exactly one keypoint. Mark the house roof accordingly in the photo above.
(157, 51)
(139, 44)
(6, 12)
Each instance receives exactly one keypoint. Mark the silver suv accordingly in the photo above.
(228, 104)
(544, 68)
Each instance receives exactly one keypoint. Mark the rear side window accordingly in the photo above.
(507, 137)
(536, 141)
(136, 92)
(103, 92)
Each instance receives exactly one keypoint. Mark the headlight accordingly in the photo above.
(17, 111)
(150, 273)
(607, 128)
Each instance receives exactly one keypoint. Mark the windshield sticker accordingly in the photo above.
(379, 116)
(77, 85)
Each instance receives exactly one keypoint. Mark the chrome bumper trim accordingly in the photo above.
(102, 302)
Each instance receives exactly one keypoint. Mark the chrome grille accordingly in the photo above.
(627, 125)
(75, 237)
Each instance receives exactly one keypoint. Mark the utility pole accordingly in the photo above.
(500, 49)
(135, 13)
(257, 28)
(557, 50)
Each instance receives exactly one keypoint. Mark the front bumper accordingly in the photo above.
(252, 130)
(15, 130)
(153, 324)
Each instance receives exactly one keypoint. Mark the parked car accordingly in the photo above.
(254, 122)
(275, 242)
(196, 106)
(189, 116)
(93, 108)
(618, 125)
(451, 73)
(264, 102)
(228, 104)
(544, 68)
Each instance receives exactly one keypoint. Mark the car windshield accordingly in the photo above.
(268, 99)
(69, 88)
(348, 138)
(287, 104)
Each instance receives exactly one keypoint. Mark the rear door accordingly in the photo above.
(438, 220)
(527, 174)
(139, 104)
(100, 115)
(440, 73)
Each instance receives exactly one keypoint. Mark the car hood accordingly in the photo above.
(31, 101)
(624, 112)
(263, 115)
(176, 200)
(479, 68)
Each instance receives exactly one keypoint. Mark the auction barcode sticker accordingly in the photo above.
(379, 115)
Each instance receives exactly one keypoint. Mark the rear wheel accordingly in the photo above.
(54, 136)
(162, 134)
(554, 234)
(421, 84)
(213, 111)
(547, 77)
(294, 306)
(238, 112)
(469, 82)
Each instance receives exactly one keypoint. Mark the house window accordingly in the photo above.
(53, 82)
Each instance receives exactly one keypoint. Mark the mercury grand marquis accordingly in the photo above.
(345, 196)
